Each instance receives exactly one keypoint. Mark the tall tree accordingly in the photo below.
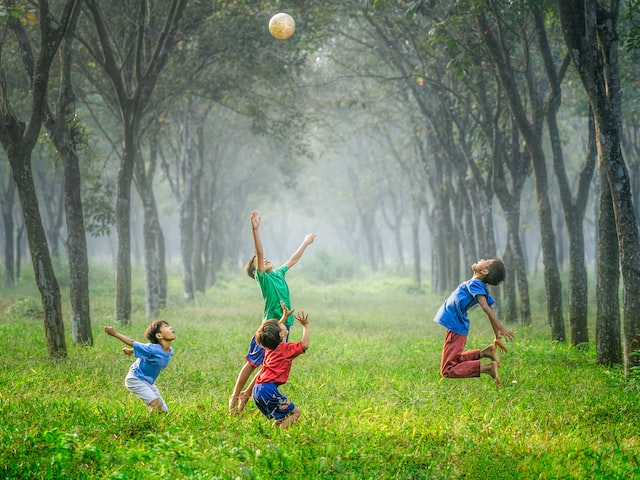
(67, 135)
(133, 64)
(18, 140)
(590, 30)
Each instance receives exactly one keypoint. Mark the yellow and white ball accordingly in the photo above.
(282, 26)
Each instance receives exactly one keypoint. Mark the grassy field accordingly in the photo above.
(373, 404)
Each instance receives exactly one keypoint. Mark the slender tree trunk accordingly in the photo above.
(8, 200)
(40, 257)
(187, 204)
(123, 223)
(63, 130)
(608, 335)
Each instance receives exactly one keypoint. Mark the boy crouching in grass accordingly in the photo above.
(151, 359)
(279, 355)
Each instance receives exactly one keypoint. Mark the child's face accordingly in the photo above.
(283, 332)
(166, 332)
(267, 266)
(481, 267)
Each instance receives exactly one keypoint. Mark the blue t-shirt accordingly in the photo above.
(452, 314)
(151, 360)
(274, 288)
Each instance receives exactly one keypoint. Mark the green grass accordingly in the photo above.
(373, 404)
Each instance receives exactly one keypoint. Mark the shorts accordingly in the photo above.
(255, 355)
(145, 391)
(270, 401)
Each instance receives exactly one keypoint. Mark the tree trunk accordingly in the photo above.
(64, 132)
(608, 336)
(187, 203)
(8, 199)
(40, 257)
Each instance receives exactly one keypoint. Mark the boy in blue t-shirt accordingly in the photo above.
(151, 359)
(456, 363)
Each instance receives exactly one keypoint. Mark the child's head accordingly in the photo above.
(250, 267)
(153, 330)
(496, 271)
(271, 333)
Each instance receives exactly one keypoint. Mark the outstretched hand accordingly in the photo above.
(303, 318)
(255, 220)
(508, 335)
(110, 331)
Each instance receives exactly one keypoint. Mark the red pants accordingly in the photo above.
(456, 363)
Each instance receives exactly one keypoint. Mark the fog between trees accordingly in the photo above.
(409, 137)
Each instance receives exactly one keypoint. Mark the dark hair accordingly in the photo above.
(496, 272)
(153, 329)
(250, 267)
(268, 335)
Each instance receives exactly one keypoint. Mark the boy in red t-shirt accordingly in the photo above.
(279, 355)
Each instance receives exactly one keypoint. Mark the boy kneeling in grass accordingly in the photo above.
(279, 355)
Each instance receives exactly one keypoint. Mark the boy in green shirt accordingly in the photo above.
(274, 289)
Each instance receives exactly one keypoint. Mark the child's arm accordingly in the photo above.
(257, 243)
(498, 329)
(308, 240)
(123, 338)
(303, 318)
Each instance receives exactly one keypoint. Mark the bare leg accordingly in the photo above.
(490, 351)
(243, 376)
(289, 420)
(491, 369)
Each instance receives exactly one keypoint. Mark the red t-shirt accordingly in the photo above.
(277, 363)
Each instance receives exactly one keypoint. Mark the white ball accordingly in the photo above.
(282, 26)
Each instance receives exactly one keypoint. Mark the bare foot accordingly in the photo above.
(289, 420)
(493, 371)
(233, 405)
(242, 401)
(490, 351)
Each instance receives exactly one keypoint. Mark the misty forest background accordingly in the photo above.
(412, 137)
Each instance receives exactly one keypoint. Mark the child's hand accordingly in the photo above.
(110, 331)
(285, 312)
(127, 351)
(309, 238)
(499, 344)
(255, 220)
(303, 318)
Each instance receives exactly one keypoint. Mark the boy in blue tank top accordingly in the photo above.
(456, 363)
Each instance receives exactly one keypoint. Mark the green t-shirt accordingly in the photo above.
(274, 288)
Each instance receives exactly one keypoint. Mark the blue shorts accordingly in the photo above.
(271, 402)
(255, 355)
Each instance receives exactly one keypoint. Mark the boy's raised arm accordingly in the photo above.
(303, 318)
(123, 338)
(308, 240)
(257, 243)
